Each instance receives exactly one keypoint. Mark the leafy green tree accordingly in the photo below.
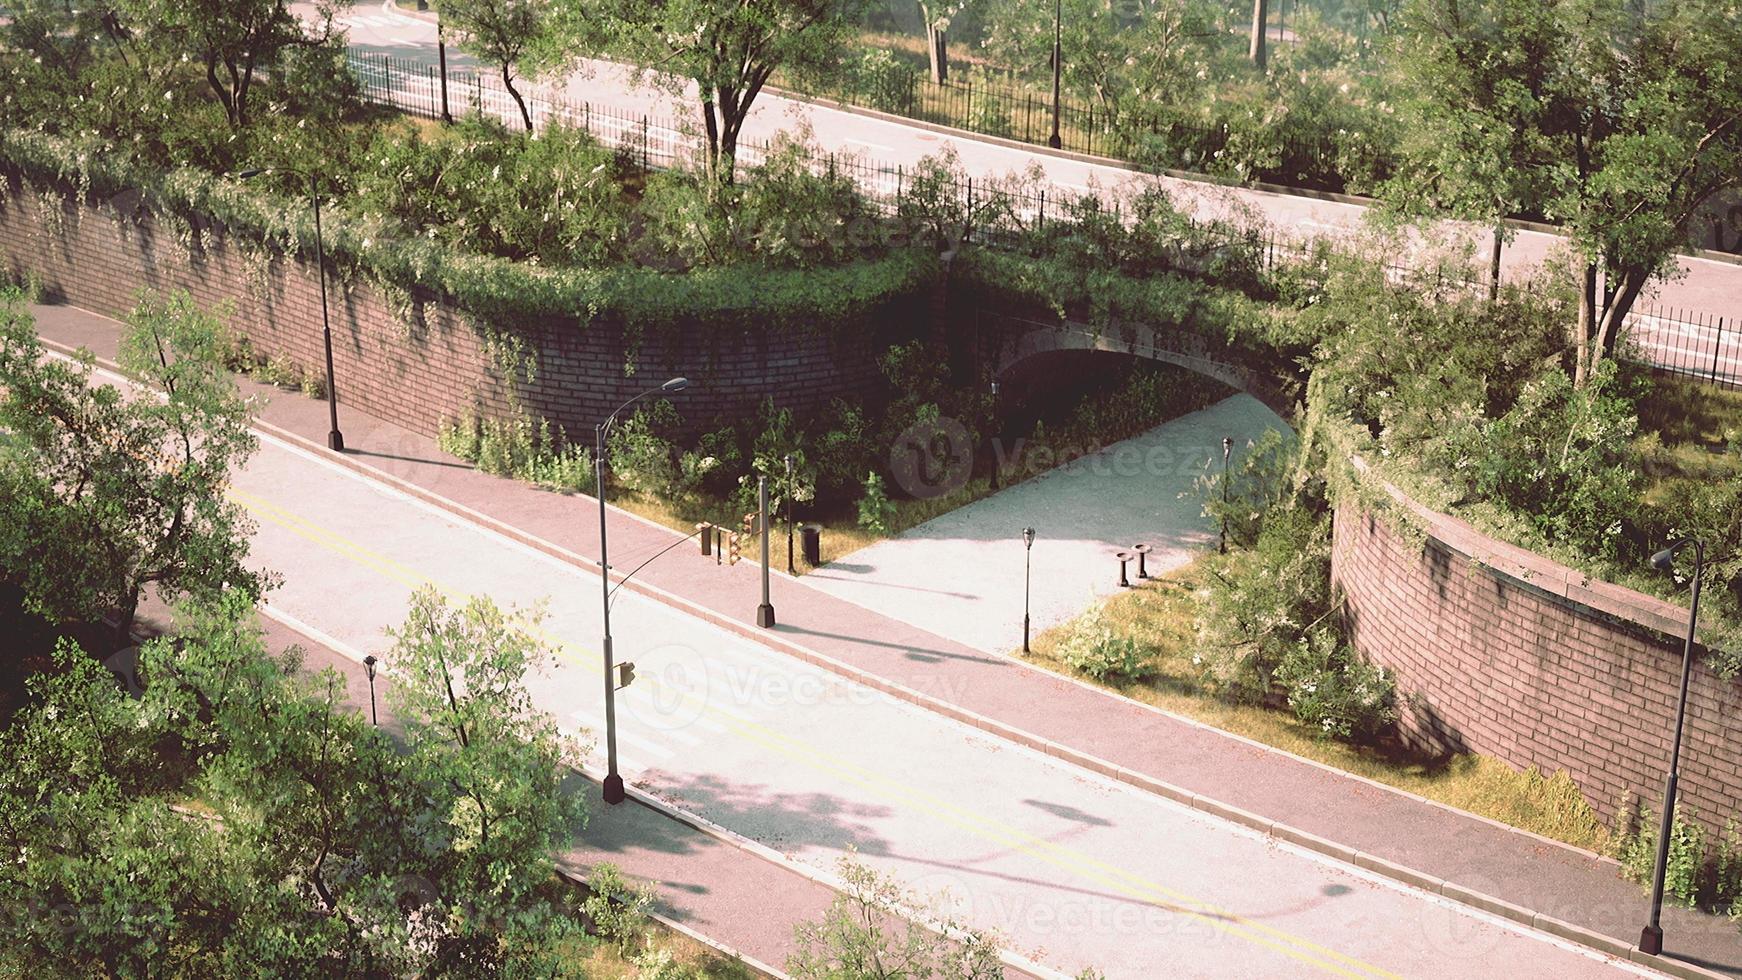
(517, 36)
(233, 40)
(493, 773)
(1613, 117)
(728, 51)
(103, 494)
(936, 15)
(867, 932)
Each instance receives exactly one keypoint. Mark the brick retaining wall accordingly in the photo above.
(1497, 650)
(421, 375)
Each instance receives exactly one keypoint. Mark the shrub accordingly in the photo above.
(641, 459)
(881, 82)
(1637, 852)
(616, 909)
(1095, 648)
(1330, 688)
(538, 454)
(876, 511)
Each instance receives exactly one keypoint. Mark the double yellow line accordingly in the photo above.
(1073, 862)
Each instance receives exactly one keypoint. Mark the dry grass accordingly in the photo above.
(692, 959)
(1161, 614)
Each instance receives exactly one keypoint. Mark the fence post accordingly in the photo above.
(646, 148)
(1717, 349)
(968, 114)
(1040, 224)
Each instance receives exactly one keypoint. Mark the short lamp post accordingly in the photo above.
(335, 441)
(369, 663)
(1027, 567)
(1227, 451)
(613, 780)
(994, 437)
(1651, 937)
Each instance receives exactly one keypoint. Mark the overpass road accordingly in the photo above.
(1706, 286)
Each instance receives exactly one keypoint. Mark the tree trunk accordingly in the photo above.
(508, 83)
(1260, 15)
(1586, 328)
(1618, 302)
(1494, 262)
(124, 616)
(937, 51)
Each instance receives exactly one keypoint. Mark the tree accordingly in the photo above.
(491, 766)
(937, 15)
(866, 932)
(103, 494)
(237, 818)
(513, 35)
(1159, 52)
(727, 50)
(232, 39)
(1613, 117)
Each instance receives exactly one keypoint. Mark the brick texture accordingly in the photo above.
(431, 366)
(1486, 661)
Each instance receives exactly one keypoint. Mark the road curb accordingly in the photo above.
(774, 639)
(1283, 832)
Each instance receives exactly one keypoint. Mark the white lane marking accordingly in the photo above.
(874, 146)
(647, 745)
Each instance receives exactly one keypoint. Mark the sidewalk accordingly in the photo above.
(1512, 874)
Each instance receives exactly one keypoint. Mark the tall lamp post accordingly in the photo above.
(335, 440)
(995, 419)
(1227, 451)
(1027, 565)
(613, 780)
(1057, 36)
(1651, 937)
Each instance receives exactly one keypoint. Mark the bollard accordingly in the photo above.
(719, 544)
(1142, 551)
(705, 532)
(1123, 556)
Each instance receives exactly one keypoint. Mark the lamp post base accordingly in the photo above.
(614, 789)
(1651, 940)
(335, 441)
(765, 615)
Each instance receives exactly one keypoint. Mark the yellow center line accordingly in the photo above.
(1072, 861)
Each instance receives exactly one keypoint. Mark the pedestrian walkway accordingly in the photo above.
(962, 575)
(1523, 877)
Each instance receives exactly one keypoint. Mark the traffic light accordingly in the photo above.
(625, 674)
(732, 548)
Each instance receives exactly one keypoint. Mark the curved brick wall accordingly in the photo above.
(419, 376)
(1500, 651)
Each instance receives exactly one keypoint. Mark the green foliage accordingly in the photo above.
(106, 493)
(868, 932)
(540, 454)
(1094, 648)
(1333, 690)
(514, 36)
(1265, 476)
(557, 198)
(879, 81)
(316, 846)
(1696, 874)
(876, 511)
(616, 908)
(642, 460)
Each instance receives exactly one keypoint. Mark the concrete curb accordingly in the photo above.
(1281, 831)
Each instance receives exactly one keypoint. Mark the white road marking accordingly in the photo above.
(874, 146)
(597, 728)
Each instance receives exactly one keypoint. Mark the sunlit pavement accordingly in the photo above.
(1068, 866)
(961, 575)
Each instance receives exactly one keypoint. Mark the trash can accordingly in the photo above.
(811, 543)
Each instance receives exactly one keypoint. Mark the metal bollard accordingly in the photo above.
(1123, 556)
(705, 531)
(1143, 551)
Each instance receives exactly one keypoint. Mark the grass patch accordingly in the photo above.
(1161, 614)
(1684, 427)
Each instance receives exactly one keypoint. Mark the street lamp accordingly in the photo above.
(1651, 937)
(369, 663)
(613, 781)
(1027, 565)
(335, 441)
(1227, 451)
(1057, 34)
